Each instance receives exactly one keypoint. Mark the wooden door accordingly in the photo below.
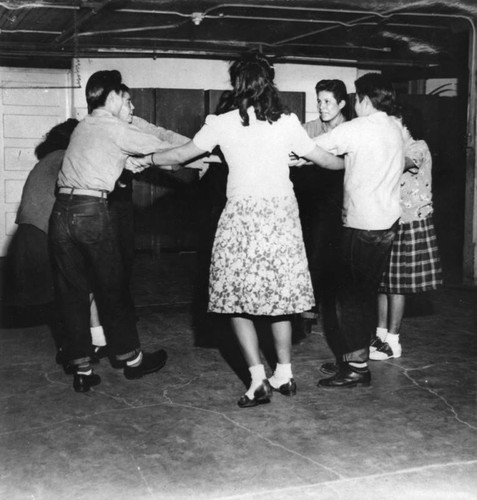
(164, 203)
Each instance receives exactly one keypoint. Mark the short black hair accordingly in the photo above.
(99, 86)
(336, 87)
(380, 91)
(124, 88)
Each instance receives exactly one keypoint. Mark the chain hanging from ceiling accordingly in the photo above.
(76, 61)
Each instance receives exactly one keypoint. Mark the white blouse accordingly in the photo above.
(257, 155)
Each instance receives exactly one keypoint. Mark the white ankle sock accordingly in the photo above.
(282, 374)
(135, 361)
(97, 336)
(357, 364)
(392, 339)
(258, 375)
(382, 333)
(84, 372)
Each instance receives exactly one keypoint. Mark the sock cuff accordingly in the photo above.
(135, 361)
(257, 372)
(358, 366)
(283, 371)
(381, 332)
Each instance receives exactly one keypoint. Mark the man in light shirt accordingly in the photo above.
(373, 149)
(84, 245)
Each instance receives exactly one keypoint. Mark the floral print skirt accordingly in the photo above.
(259, 264)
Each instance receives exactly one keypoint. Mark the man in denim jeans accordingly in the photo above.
(85, 248)
(372, 145)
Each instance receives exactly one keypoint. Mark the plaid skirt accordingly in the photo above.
(414, 264)
(259, 264)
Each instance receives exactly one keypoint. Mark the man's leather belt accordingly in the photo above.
(83, 192)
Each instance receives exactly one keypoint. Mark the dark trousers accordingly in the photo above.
(122, 217)
(365, 254)
(86, 257)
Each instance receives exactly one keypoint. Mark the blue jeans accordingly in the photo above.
(86, 257)
(365, 254)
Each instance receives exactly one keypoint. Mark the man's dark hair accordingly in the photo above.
(380, 91)
(124, 88)
(99, 85)
(57, 138)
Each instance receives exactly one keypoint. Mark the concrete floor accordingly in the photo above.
(179, 434)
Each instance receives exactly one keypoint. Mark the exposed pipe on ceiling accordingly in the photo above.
(10, 6)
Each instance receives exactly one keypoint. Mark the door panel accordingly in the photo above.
(181, 110)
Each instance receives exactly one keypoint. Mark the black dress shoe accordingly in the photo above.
(151, 362)
(83, 383)
(330, 368)
(288, 389)
(347, 377)
(261, 396)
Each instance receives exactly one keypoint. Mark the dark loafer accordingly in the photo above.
(151, 362)
(83, 383)
(288, 389)
(261, 396)
(347, 377)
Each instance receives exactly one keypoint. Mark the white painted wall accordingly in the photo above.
(29, 107)
(207, 75)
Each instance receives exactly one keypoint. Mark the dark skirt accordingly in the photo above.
(28, 279)
(414, 264)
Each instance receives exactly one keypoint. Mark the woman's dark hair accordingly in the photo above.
(414, 121)
(380, 92)
(252, 85)
(338, 89)
(57, 138)
(99, 86)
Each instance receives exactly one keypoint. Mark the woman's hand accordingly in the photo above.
(137, 164)
(296, 161)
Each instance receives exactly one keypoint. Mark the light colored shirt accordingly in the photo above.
(316, 127)
(257, 155)
(373, 146)
(98, 148)
(416, 187)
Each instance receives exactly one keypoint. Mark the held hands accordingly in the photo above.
(296, 161)
(410, 166)
(138, 164)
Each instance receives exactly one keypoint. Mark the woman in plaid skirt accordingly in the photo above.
(414, 264)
